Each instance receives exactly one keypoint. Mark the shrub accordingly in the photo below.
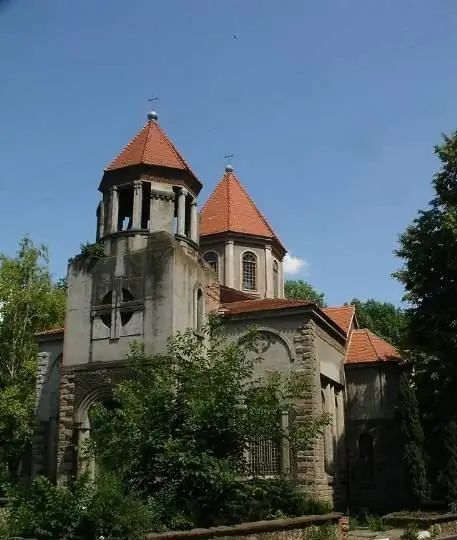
(83, 510)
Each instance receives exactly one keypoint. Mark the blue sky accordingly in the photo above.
(331, 107)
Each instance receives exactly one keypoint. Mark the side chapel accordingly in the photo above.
(165, 267)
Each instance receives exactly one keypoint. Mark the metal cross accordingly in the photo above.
(151, 99)
(228, 157)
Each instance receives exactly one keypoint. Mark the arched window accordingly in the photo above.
(212, 259)
(275, 279)
(249, 273)
(200, 310)
(366, 458)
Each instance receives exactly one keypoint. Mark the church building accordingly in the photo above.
(165, 266)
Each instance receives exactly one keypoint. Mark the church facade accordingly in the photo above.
(165, 266)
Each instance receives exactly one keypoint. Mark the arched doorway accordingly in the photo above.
(86, 426)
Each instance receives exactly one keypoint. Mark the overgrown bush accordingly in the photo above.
(183, 422)
(85, 509)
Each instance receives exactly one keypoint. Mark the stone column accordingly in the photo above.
(162, 208)
(137, 204)
(229, 264)
(114, 209)
(269, 292)
(100, 220)
(65, 443)
(194, 222)
(182, 212)
(281, 292)
(309, 463)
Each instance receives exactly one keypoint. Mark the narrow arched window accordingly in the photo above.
(200, 310)
(249, 271)
(366, 458)
(212, 259)
(275, 279)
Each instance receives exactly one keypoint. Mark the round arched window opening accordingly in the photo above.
(249, 271)
(126, 313)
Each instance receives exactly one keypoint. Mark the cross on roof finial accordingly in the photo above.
(228, 166)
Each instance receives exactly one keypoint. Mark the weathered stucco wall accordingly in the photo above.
(374, 442)
(47, 392)
(287, 344)
(372, 391)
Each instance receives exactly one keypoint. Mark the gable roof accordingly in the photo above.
(365, 347)
(230, 209)
(150, 146)
(343, 316)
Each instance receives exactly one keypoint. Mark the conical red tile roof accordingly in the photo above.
(230, 209)
(150, 146)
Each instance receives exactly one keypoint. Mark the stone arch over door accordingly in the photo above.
(102, 394)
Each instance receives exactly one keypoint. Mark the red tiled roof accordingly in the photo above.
(262, 304)
(366, 347)
(230, 209)
(51, 332)
(150, 146)
(229, 295)
(342, 316)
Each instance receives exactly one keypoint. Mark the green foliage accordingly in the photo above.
(320, 532)
(410, 533)
(183, 421)
(89, 253)
(84, 510)
(29, 302)
(301, 290)
(413, 442)
(448, 477)
(428, 249)
(382, 318)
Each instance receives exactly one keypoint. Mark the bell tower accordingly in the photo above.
(147, 188)
(151, 281)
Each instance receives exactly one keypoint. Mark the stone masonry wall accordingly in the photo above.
(310, 463)
(40, 427)
(325, 527)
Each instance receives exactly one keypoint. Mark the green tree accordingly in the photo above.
(301, 290)
(428, 249)
(448, 477)
(29, 302)
(382, 318)
(413, 442)
(182, 424)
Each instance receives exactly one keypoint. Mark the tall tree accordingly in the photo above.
(413, 442)
(382, 318)
(428, 249)
(301, 290)
(29, 302)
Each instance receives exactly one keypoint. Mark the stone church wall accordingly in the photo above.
(44, 445)
(299, 336)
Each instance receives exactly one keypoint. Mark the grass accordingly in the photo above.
(367, 521)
